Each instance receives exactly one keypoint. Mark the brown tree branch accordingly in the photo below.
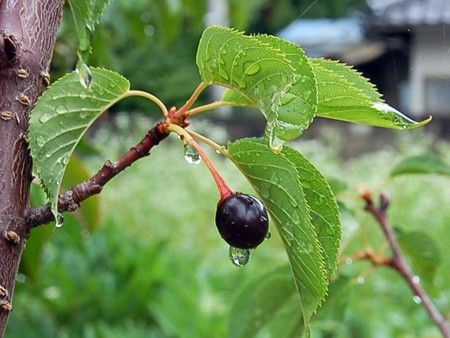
(70, 200)
(398, 262)
(27, 37)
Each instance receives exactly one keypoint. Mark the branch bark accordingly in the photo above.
(27, 37)
(70, 200)
(398, 262)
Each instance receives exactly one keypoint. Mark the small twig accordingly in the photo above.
(150, 97)
(70, 200)
(398, 262)
(206, 107)
(180, 113)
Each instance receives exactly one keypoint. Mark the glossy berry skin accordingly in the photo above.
(242, 221)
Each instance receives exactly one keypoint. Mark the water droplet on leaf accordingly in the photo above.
(61, 109)
(40, 141)
(191, 155)
(45, 117)
(416, 279)
(265, 190)
(253, 69)
(223, 74)
(286, 98)
(293, 202)
(239, 257)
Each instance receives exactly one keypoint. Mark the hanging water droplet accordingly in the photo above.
(417, 300)
(361, 280)
(348, 261)
(268, 235)
(84, 74)
(239, 257)
(275, 143)
(59, 221)
(416, 279)
(191, 155)
(45, 117)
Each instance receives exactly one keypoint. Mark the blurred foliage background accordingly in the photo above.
(144, 259)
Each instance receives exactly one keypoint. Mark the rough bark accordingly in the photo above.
(27, 36)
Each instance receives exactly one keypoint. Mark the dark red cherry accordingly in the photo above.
(242, 220)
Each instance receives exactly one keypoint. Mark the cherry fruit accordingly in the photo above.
(242, 220)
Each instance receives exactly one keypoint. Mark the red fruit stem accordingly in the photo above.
(224, 190)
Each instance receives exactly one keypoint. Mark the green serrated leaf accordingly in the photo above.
(275, 179)
(421, 164)
(322, 204)
(61, 117)
(234, 98)
(351, 75)
(261, 70)
(422, 251)
(343, 97)
(86, 14)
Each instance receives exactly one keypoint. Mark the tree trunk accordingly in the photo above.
(27, 37)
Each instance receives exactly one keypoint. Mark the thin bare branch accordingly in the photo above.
(70, 200)
(398, 262)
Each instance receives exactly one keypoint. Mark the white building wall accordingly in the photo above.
(430, 59)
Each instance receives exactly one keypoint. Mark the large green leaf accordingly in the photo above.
(272, 73)
(276, 180)
(322, 205)
(61, 117)
(421, 164)
(351, 75)
(345, 95)
(86, 14)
